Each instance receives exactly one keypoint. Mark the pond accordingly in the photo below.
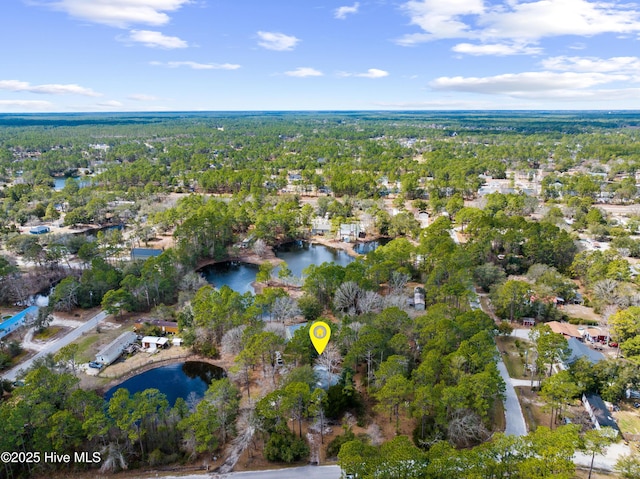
(300, 254)
(238, 276)
(175, 380)
(369, 246)
(59, 181)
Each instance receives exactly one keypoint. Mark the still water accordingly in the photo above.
(238, 276)
(300, 254)
(174, 380)
(369, 246)
(59, 181)
(297, 254)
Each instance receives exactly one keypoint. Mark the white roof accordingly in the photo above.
(154, 340)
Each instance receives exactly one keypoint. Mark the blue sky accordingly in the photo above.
(157, 55)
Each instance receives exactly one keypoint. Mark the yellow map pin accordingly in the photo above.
(320, 332)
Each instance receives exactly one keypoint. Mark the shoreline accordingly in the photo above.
(134, 371)
(250, 257)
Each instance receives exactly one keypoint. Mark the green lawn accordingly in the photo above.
(85, 353)
(516, 354)
(47, 333)
(629, 421)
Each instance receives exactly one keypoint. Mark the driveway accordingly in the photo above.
(514, 419)
(56, 345)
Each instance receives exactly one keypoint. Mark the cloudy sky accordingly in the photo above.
(141, 55)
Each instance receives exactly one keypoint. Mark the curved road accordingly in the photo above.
(55, 346)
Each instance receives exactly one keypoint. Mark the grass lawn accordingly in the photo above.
(629, 421)
(48, 333)
(515, 350)
(85, 352)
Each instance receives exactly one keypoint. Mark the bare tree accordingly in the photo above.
(369, 302)
(192, 282)
(394, 300)
(398, 282)
(606, 290)
(346, 297)
(232, 341)
(112, 458)
(466, 428)
(284, 308)
(330, 359)
(260, 247)
(277, 328)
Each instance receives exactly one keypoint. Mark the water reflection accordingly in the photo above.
(175, 380)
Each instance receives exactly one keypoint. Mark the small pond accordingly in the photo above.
(59, 182)
(238, 276)
(175, 380)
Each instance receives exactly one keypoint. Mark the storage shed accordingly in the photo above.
(39, 230)
(115, 348)
(151, 343)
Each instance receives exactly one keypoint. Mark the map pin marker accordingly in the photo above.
(320, 332)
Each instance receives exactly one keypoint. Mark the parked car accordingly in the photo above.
(95, 365)
(613, 344)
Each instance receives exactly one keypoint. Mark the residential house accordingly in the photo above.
(167, 327)
(20, 319)
(143, 254)
(349, 232)
(115, 348)
(598, 412)
(566, 329)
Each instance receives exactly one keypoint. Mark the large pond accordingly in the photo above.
(369, 246)
(174, 380)
(300, 254)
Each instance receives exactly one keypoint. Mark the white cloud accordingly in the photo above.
(497, 49)
(370, 73)
(342, 12)
(111, 103)
(592, 64)
(517, 22)
(528, 84)
(277, 41)
(440, 19)
(155, 39)
(25, 105)
(142, 97)
(549, 18)
(47, 89)
(120, 13)
(197, 66)
(303, 72)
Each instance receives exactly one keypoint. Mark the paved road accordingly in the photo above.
(55, 346)
(307, 472)
(515, 424)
